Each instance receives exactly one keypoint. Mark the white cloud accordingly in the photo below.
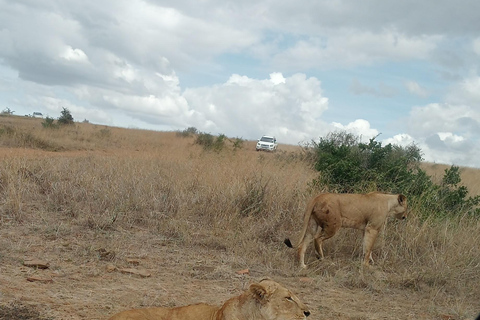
(383, 90)
(447, 133)
(448, 136)
(70, 54)
(289, 108)
(466, 91)
(402, 139)
(277, 78)
(414, 88)
(347, 48)
(359, 127)
(436, 117)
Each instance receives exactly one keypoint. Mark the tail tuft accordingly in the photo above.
(288, 243)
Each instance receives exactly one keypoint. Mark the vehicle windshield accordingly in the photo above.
(266, 139)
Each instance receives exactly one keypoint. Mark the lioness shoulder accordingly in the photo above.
(265, 300)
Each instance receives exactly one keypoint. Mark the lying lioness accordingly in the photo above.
(328, 212)
(266, 300)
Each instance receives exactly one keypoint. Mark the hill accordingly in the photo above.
(130, 218)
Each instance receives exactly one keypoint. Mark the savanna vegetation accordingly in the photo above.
(193, 209)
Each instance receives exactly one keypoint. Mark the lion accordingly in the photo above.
(328, 212)
(265, 300)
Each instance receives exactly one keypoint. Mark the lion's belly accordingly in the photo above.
(352, 223)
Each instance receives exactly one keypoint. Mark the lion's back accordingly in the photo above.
(191, 312)
(351, 209)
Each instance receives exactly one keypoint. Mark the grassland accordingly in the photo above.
(93, 200)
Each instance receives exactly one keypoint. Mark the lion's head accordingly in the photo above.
(400, 209)
(273, 301)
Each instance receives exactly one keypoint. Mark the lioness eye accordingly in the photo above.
(289, 298)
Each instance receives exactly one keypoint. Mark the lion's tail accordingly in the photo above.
(306, 219)
(288, 243)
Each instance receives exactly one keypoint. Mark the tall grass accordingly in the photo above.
(244, 202)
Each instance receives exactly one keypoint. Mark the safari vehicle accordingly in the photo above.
(266, 143)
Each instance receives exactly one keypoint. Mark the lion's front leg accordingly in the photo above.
(369, 237)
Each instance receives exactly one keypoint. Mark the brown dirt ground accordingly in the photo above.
(83, 286)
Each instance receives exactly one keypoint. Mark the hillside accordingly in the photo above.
(97, 202)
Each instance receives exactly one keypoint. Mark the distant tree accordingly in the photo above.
(190, 131)
(65, 117)
(7, 111)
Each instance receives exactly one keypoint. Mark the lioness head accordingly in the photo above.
(277, 302)
(400, 210)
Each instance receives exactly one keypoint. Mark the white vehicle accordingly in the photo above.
(267, 143)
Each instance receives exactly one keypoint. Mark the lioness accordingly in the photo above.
(266, 300)
(328, 212)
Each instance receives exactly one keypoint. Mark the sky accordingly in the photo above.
(402, 71)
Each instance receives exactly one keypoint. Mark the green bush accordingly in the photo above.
(190, 131)
(237, 143)
(210, 142)
(49, 123)
(7, 111)
(65, 117)
(348, 165)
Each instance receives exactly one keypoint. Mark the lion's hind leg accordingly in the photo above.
(323, 234)
(319, 248)
(302, 248)
(310, 233)
(318, 241)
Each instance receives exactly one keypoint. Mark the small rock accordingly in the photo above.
(134, 262)
(39, 279)
(306, 279)
(244, 271)
(35, 263)
(140, 272)
(106, 255)
(111, 268)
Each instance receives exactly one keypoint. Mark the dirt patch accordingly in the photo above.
(85, 285)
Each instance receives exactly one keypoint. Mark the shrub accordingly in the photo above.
(49, 123)
(454, 197)
(237, 143)
(348, 165)
(65, 117)
(7, 111)
(205, 140)
(190, 131)
(210, 142)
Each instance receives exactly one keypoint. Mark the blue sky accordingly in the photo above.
(407, 71)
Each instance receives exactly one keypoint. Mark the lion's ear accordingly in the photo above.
(401, 199)
(259, 292)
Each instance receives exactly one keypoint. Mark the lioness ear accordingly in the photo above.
(259, 292)
(401, 199)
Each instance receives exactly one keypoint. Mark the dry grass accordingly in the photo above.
(192, 218)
